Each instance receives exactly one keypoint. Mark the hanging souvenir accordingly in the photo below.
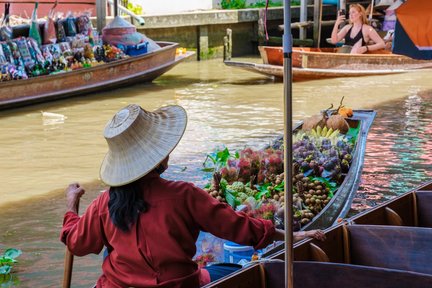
(5, 29)
(84, 24)
(69, 25)
(60, 30)
(34, 26)
(50, 36)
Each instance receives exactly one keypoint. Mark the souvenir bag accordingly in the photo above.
(50, 36)
(7, 52)
(38, 57)
(84, 24)
(5, 29)
(2, 56)
(69, 25)
(34, 26)
(25, 52)
(60, 31)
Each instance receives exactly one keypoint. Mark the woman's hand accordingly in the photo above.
(340, 19)
(73, 193)
(317, 234)
(357, 49)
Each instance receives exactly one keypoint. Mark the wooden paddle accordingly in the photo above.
(68, 263)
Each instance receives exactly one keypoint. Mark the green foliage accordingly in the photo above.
(218, 159)
(353, 134)
(233, 4)
(262, 4)
(241, 4)
(135, 8)
(6, 264)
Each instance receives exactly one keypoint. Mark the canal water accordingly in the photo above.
(45, 147)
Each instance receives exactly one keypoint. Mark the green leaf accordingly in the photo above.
(280, 186)
(333, 186)
(6, 260)
(231, 198)
(223, 156)
(5, 269)
(353, 134)
(237, 155)
(262, 193)
(208, 169)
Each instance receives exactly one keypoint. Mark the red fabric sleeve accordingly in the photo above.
(222, 221)
(82, 234)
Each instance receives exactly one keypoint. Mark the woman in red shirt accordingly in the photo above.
(148, 224)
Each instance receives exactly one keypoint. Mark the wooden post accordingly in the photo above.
(303, 18)
(229, 34)
(203, 43)
(317, 22)
(228, 45)
(101, 14)
(261, 28)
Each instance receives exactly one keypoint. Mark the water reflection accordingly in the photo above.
(398, 154)
(225, 107)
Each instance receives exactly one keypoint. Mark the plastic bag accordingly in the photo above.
(50, 36)
(25, 52)
(84, 24)
(7, 52)
(69, 25)
(38, 57)
(60, 31)
(2, 56)
(5, 29)
(34, 26)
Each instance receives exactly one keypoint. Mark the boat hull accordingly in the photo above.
(328, 58)
(143, 68)
(376, 248)
(305, 74)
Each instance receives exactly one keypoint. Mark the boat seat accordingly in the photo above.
(394, 247)
(424, 202)
(329, 275)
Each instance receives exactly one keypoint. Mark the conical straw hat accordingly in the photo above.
(139, 140)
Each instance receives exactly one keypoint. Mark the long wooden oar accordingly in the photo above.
(68, 263)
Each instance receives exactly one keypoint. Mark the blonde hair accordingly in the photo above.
(362, 11)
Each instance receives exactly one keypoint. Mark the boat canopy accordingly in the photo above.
(413, 30)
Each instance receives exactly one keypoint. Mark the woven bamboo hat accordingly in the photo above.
(139, 140)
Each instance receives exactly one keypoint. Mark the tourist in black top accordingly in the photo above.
(357, 33)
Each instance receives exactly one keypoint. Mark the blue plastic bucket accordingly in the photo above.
(234, 252)
(333, 2)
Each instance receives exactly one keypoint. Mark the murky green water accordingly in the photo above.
(40, 154)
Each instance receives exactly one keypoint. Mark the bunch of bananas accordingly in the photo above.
(324, 132)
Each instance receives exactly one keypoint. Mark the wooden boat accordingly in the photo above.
(386, 246)
(303, 74)
(142, 68)
(340, 204)
(318, 63)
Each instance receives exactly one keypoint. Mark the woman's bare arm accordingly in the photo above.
(338, 36)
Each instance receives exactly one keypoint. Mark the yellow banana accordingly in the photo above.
(330, 131)
(335, 133)
(314, 133)
(324, 131)
(318, 130)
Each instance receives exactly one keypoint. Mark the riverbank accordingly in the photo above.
(203, 31)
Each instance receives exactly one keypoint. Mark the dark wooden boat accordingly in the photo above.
(319, 63)
(143, 68)
(386, 246)
(340, 204)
